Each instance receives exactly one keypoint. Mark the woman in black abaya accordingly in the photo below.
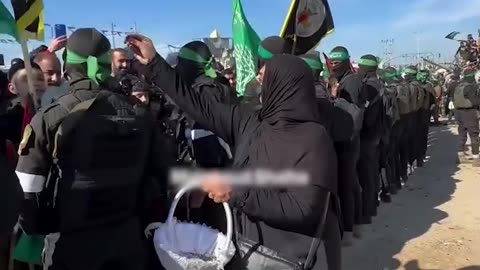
(284, 134)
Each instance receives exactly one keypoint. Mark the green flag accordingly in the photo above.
(245, 42)
(7, 22)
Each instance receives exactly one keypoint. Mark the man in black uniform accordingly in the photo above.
(425, 114)
(416, 100)
(86, 166)
(393, 89)
(324, 100)
(450, 85)
(348, 87)
(368, 169)
(466, 100)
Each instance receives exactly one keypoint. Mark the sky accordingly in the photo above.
(360, 25)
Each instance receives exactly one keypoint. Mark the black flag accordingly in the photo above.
(29, 18)
(307, 22)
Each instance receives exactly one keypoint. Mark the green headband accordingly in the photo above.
(422, 76)
(264, 53)
(367, 62)
(410, 71)
(390, 76)
(338, 56)
(469, 75)
(189, 54)
(98, 68)
(313, 64)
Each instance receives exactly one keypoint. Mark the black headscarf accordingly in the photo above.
(289, 134)
(191, 70)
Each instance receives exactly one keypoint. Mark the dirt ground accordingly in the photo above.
(432, 224)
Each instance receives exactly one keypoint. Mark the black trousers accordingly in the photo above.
(393, 155)
(468, 124)
(404, 145)
(424, 129)
(413, 135)
(119, 246)
(349, 188)
(368, 168)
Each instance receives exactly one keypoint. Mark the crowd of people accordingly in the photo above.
(97, 138)
(469, 52)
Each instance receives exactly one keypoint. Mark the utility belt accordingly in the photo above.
(68, 206)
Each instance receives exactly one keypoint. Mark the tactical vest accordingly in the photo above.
(459, 99)
(391, 104)
(403, 97)
(101, 149)
(418, 95)
(429, 93)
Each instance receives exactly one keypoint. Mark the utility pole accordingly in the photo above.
(135, 27)
(417, 34)
(113, 35)
(387, 51)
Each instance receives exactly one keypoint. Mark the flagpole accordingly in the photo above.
(294, 45)
(28, 64)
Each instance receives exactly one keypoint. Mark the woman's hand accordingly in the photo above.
(142, 47)
(216, 188)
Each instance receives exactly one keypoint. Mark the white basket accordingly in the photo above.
(189, 246)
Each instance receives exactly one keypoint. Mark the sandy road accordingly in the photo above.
(432, 224)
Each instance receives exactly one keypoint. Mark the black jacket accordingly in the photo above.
(10, 198)
(36, 156)
(11, 118)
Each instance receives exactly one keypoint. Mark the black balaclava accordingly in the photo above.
(88, 57)
(194, 61)
(367, 66)
(390, 75)
(315, 63)
(344, 68)
(410, 73)
(469, 75)
(272, 46)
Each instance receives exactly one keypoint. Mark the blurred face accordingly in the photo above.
(119, 63)
(260, 75)
(141, 97)
(19, 86)
(231, 79)
(52, 70)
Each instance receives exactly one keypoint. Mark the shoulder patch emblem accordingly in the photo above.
(26, 137)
